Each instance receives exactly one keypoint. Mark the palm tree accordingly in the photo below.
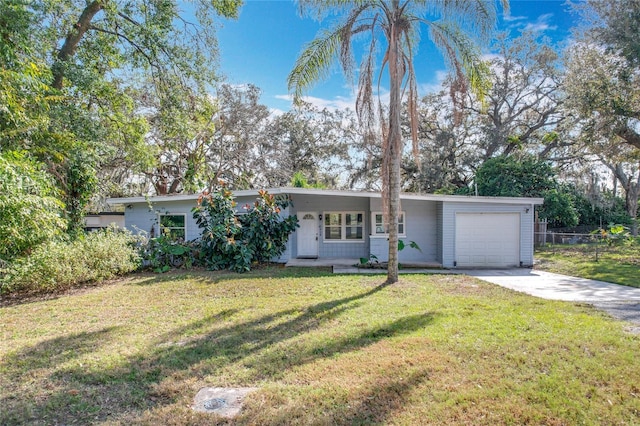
(455, 26)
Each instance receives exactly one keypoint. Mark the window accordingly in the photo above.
(173, 226)
(344, 226)
(382, 228)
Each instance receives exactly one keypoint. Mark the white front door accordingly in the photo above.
(307, 234)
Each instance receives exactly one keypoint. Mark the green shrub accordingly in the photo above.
(231, 241)
(58, 265)
(617, 234)
(30, 211)
(264, 230)
(162, 253)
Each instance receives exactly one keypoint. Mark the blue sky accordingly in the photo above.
(263, 44)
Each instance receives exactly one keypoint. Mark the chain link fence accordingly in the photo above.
(613, 242)
(591, 245)
(551, 238)
(596, 245)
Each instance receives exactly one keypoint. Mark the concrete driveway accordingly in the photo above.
(620, 301)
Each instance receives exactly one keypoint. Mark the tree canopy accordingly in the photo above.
(74, 77)
(603, 90)
(29, 206)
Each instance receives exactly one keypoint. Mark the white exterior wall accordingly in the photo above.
(449, 210)
(439, 212)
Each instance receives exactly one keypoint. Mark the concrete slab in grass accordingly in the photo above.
(225, 402)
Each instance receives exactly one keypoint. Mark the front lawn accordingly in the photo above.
(618, 264)
(321, 348)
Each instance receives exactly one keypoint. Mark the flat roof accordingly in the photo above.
(338, 193)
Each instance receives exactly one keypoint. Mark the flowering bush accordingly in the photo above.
(232, 241)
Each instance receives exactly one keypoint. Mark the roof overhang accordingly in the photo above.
(335, 193)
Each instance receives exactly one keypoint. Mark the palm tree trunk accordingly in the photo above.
(394, 147)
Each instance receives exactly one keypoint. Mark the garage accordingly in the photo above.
(487, 240)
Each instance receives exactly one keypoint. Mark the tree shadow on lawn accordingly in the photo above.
(148, 278)
(264, 349)
(377, 402)
(214, 277)
(49, 353)
(24, 365)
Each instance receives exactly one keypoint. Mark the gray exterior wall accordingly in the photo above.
(439, 231)
(328, 203)
(431, 224)
(449, 210)
(141, 217)
(421, 226)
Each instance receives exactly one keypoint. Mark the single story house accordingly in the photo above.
(97, 221)
(451, 231)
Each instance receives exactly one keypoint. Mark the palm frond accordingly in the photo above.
(348, 31)
(412, 99)
(478, 16)
(320, 9)
(314, 62)
(317, 56)
(461, 54)
(365, 99)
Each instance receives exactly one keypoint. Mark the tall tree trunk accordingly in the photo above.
(394, 151)
(73, 39)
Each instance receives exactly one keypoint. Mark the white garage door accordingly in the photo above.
(487, 239)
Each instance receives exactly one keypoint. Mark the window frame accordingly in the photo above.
(171, 228)
(374, 225)
(343, 226)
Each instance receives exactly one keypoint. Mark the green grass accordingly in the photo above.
(616, 264)
(321, 348)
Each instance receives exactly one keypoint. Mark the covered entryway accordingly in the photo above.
(307, 235)
(487, 240)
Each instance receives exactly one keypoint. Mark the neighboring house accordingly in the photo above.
(452, 231)
(96, 221)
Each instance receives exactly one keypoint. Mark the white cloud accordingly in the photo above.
(541, 24)
(333, 104)
(435, 85)
(510, 18)
(337, 103)
(284, 97)
(344, 102)
(488, 57)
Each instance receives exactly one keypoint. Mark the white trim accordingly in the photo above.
(339, 193)
(343, 226)
(373, 225)
(344, 241)
(160, 214)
